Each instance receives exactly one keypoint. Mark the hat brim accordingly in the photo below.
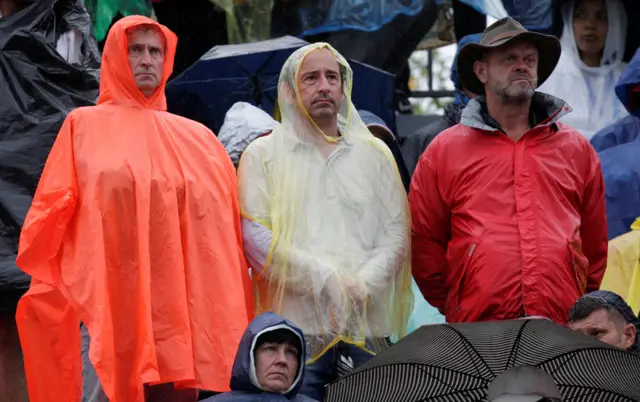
(548, 55)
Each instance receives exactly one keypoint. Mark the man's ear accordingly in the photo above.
(480, 68)
(628, 336)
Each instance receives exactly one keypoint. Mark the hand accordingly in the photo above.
(355, 291)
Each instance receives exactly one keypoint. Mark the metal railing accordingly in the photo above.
(430, 92)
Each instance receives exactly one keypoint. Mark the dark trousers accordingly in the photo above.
(326, 369)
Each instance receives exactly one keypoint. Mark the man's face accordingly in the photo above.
(510, 72)
(590, 25)
(276, 366)
(320, 85)
(146, 58)
(607, 328)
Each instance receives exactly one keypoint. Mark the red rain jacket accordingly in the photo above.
(504, 229)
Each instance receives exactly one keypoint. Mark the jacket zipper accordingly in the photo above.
(581, 286)
(467, 264)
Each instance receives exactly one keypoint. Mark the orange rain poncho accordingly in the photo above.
(134, 231)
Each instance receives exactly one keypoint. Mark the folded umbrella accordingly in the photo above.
(456, 362)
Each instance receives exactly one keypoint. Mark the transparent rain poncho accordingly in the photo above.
(326, 223)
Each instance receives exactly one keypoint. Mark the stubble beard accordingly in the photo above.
(515, 95)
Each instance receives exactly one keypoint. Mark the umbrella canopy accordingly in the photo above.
(456, 362)
(249, 73)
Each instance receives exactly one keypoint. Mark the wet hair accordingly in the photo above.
(585, 306)
(280, 336)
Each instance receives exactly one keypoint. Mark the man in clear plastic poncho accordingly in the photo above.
(326, 221)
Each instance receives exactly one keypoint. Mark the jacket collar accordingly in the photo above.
(546, 110)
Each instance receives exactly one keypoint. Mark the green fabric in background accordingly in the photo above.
(103, 11)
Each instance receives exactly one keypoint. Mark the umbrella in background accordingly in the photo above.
(249, 73)
(457, 362)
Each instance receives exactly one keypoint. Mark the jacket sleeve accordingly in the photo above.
(53, 207)
(593, 227)
(430, 231)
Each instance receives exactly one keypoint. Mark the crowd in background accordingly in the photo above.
(165, 262)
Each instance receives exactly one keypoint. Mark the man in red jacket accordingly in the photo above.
(508, 206)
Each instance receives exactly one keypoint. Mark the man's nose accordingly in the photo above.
(520, 65)
(146, 57)
(592, 21)
(324, 85)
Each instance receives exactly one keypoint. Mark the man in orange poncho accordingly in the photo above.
(135, 232)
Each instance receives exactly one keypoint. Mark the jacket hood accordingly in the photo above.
(117, 85)
(243, 375)
(473, 38)
(552, 109)
(630, 76)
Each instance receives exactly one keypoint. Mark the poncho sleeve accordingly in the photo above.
(53, 207)
(392, 243)
(47, 323)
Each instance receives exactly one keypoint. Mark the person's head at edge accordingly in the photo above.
(320, 86)
(377, 127)
(607, 317)
(146, 48)
(277, 360)
(590, 25)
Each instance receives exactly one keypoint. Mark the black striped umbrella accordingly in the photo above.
(456, 362)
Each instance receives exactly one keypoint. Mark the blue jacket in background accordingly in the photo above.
(619, 150)
(246, 389)
(626, 129)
